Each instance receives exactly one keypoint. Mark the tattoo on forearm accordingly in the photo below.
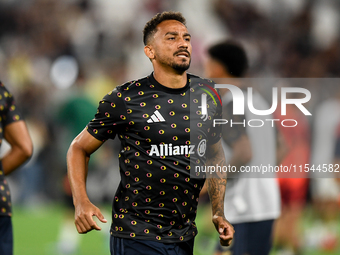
(216, 186)
(216, 189)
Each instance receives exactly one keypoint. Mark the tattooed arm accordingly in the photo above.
(216, 184)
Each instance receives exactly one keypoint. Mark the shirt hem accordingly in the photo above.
(153, 238)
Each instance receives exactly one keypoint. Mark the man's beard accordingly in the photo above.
(180, 68)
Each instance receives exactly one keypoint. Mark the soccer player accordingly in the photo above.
(13, 130)
(155, 205)
(253, 203)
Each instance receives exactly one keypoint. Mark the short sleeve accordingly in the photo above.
(111, 117)
(216, 131)
(232, 133)
(9, 110)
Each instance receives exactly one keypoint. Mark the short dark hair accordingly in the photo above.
(231, 55)
(151, 26)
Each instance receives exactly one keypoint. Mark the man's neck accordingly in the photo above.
(171, 80)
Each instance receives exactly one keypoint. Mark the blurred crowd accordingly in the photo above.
(59, 58)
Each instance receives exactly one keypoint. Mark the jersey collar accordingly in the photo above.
(167, 89)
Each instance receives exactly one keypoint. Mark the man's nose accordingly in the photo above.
(183, 43)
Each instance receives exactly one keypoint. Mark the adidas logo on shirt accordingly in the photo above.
(156, 117)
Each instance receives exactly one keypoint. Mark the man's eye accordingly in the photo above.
(187, 39)
(171, 38)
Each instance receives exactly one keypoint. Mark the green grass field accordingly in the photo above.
(36, 232)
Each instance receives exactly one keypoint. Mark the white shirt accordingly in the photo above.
(254, 199)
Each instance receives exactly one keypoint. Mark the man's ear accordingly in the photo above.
(149, 52)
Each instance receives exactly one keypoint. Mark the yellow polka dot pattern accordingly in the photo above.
(157, 198)
(8, 114)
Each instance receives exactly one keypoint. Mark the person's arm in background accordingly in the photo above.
(241, 155)
(216, 188)
(16, 134)
(78, 157)
(235, 136)
(237, 139)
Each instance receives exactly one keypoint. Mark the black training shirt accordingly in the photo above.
(162, 137)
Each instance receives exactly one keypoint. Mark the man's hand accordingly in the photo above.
(225, 229)
(78, 156)
(216, 189)
(83, 217)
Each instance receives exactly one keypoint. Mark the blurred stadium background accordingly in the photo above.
(59, 58)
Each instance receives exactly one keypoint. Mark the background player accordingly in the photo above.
(13, 130)
(253, 203)
(155, 205)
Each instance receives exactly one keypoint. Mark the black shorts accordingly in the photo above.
(124, 246)
(253, 238)
(6, 235)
